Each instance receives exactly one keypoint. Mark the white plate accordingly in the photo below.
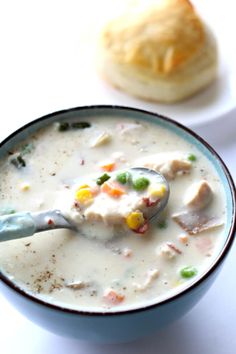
(208, 106)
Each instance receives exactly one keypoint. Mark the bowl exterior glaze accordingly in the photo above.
(131, 324)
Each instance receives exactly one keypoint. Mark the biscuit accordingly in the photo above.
(161, 53)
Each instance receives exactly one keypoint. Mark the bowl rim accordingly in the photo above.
(219, 259)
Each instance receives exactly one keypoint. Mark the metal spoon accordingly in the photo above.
(25, 224)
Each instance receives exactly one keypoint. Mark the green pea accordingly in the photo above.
(188, 272)
(123, 177)
(140, 183)
(102, 179)
(192, 158)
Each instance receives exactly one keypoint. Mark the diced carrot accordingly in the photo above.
(112, 297)
(108, 167)
(183, 238)
(112, 189)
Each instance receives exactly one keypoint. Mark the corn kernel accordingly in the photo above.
(24, 186)
(135, 219)
(84, 186)
(84, 196)
(157, 191)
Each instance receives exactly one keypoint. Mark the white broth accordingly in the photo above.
(64, 267)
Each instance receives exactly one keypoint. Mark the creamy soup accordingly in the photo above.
(146, 263)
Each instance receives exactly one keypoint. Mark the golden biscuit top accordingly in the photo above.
(160, 38)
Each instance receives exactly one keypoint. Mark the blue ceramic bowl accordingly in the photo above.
(131, 324)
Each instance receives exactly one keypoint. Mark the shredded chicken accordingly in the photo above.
(152, 274)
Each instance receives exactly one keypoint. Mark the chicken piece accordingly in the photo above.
(77, 285)
(102, 139)
(198, 196)
(169, 250)
(108, 216)
(169, 164)
(92, 215)
(127, 128)
(152, 274)
(195, 222)
(106, 209)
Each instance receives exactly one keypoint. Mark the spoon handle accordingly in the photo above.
(16, 226)
(25, 224)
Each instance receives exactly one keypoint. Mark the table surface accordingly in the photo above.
(37, 78)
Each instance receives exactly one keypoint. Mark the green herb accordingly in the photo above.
(102, 179)
(123, 177)
(192, 158)
(188, 272)
(63, 126)
(18, 162)
(140, 183)
(162, 224)
(27, 149)
(7, 211)
(80, 125)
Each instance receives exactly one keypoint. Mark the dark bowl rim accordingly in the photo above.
(224, 251)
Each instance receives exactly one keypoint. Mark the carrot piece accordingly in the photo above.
(108, 167)
(183, 238)
(112, 189)
(112, 297)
